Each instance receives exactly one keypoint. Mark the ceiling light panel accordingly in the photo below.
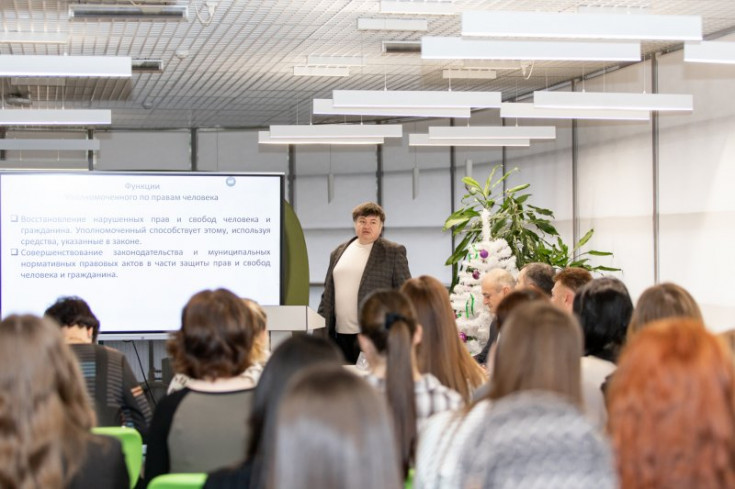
(416, 99)
(611, 100)
(492, 132)
(458, 48)
(326, 107)
(421, 7)
(337, 131)
(365, 24)
(116, 11)
(582, 26)
(72, 66)
(529, 111)
(264, 137)
(25, 117)
(710, 52)
(424, 140)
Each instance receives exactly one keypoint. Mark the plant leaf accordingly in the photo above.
(584, 239)
(599, 253)
(542, 211)
(517, 188)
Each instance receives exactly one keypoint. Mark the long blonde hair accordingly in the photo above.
(44, 407)
(441, 352)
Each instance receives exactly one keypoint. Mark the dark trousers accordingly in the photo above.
(349, 346)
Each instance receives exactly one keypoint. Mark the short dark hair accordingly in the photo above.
(74, 311)
(368, 209)
(541, 275)
(216, 336)
(573, 278)
(604, 308)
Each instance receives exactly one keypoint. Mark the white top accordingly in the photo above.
(347, 275)
(441, 444)
(594, 372)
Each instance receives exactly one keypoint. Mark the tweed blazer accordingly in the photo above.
(386, 268)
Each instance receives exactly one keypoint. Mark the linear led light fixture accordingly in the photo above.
(467, 74)
(72, 66)
(424, 140)
(337, 131)
(34, 37)
(613, 100)
(117, 11)
(415, 99)
(367, 24)
(709, 52)
(324, 60)
(147, 66)
(401, 47)
(556, 25)
(326, 107)
(492, 132)
(50, 144)
(458, 48)
(421, 7)
(334, 71)
(54, 117)
(264, 137)
(529, 111)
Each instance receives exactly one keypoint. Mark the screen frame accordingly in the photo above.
(164, 334)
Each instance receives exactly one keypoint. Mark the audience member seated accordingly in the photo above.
(536, 276)
(388, 336)
(603, 308)
(259, 354)
(495, 285)
(503, 311)
(441, 352)
(671, 406)
(566, 284)
(291, 357)
(333, 432)
(46, 417)
(660, 302)
(204, 426)
(528, 431)
(116, 394)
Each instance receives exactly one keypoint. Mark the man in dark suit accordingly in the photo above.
(358, 267)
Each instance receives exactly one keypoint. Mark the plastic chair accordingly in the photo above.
(132, 446)
(178, 481)
(408, 484)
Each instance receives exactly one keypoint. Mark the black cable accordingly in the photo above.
(145, 378)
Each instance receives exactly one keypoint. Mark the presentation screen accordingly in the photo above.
(137, 246)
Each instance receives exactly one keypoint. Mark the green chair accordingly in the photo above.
(178, 481)
(132, 446)
(408, 484)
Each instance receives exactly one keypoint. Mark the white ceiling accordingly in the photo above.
(237, 70)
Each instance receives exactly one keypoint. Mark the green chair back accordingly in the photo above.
(408, 484)
(178, 481)
(132, 446)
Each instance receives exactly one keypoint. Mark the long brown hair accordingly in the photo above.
(539, 349)
(671, 409)
(45, 412)
(441, 352)
(388, 320)
(663, 301)
(333, 431)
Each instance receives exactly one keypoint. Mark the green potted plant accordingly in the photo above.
(527, 229)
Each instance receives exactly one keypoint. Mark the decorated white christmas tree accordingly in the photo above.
(473, 318)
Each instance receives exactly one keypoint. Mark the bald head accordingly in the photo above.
(496, 284)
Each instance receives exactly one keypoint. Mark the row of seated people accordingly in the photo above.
(544, 418)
